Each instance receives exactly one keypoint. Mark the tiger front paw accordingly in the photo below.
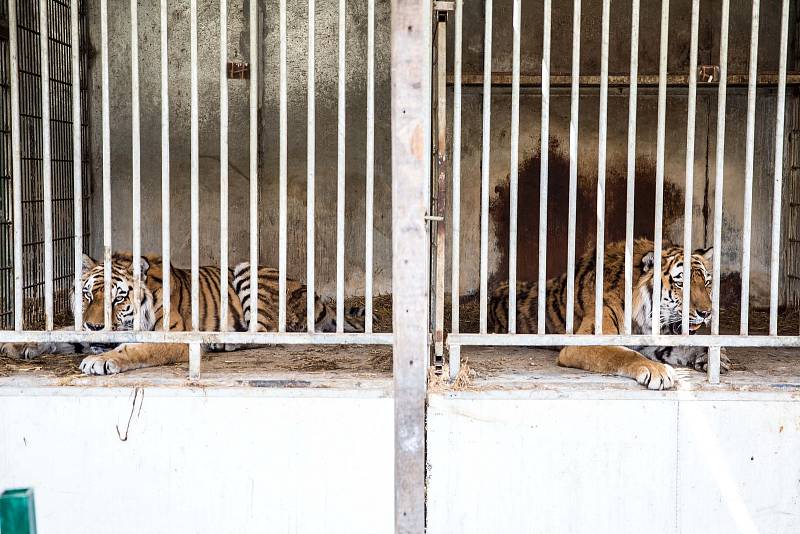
(21, 351)
(701, 363)
(654, 375)
(102, 364)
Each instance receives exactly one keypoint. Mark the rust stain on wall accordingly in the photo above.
(586, 213)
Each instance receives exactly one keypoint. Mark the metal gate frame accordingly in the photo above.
(714, 341)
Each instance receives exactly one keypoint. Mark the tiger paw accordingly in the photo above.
(21, 351)
(654, 375)
(701, 363)
(103, 364)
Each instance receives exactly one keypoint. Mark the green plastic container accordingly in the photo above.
(17, 513)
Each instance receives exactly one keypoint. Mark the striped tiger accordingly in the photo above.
(650, 366)
(111, 359)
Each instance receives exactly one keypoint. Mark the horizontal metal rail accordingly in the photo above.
(243, 338)
(621, 80)
(558, 340)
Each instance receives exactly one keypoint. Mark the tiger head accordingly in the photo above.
(122, 309)
(671, 306)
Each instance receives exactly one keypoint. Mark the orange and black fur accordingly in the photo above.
(136, 355)
(650, 366)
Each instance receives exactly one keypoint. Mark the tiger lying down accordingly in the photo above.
(110, 359)
(649, 366)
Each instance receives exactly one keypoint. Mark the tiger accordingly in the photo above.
(650, 366)
(106, 359)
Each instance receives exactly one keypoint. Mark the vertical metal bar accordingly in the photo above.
(689, 188)
(253, 166)
(601, 171)
(543, 175)
(513, 187)
(719, 178)
(340, 171)
(455, 284)
(165, 204)
(106, 167)
(441, 187)
(573, 162)
(748, 172)
(136, 171)
(310, 163)
(370, 178)
(16, 162)
(47, 173)
(659, 200)
(629, 207)
(411, 108)
(282, 176)
(77, 182)
(778, 185)
(712, 372)
(195, 354)
(195, 172)
(223, 165)
(487, 117)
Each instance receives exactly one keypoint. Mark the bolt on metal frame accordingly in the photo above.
(714, 341)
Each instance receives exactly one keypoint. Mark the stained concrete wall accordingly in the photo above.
(208, 66)
(530, 105)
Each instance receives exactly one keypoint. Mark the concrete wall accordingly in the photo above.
(163, 460)
(326, 34)
(539, 462)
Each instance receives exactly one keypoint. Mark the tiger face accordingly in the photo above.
(671, 305)
(122, 308)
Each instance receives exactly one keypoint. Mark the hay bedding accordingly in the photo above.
(313, 359)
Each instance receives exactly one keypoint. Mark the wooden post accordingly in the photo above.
(411, 149)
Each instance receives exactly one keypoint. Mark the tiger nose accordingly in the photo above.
(93, 326)
(703, 313)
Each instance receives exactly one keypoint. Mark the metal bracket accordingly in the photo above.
(441, 9)
(708, 73)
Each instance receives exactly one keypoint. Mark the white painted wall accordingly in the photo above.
(201, 461)
(645, 463)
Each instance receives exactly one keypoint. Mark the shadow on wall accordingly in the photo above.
(586, 212)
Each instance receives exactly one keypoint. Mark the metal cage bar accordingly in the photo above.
(601, 170)
(136, 172)
(165, 202)
(340, 170)
(574, 118)
(485, 148)
(774, 267)
(282, 180)
(513, 175)
(370, 171)
(16, 163)
(544, 170)
(454, 351)
(254, 308)
(689, 189)
(223, 166)
(310, 170)
(47, 171)
(748, 171)
(77, 163)
(660, 135)
(629, 205)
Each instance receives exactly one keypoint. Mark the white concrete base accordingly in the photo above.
(181, 460)
(614, 463)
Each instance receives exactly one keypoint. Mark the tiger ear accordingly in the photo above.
(708, 253)
(145, 267)
(88, 262)
(647, 261)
